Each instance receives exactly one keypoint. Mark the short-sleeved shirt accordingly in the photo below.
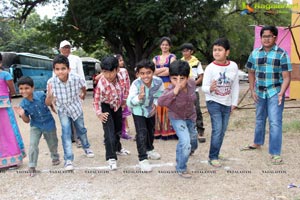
(67, 93)
(38, 111)
(268, 67)
(4, 76)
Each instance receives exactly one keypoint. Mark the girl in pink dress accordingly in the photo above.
(12, 149)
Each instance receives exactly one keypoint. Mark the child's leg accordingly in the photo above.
(193, 134)
(118, 128)
(183, 148)
(52, 142)
(150, 123)
(35, 135)
(81, 131)
(65, 122)
(141, 136)
(219, 115)
(109, 133)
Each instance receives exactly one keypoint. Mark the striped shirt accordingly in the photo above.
(143, 107)
(112, 93)
(268, 67)
(67, 94)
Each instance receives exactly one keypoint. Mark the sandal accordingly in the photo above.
(249, 147)
(276, 160)
(215, 163)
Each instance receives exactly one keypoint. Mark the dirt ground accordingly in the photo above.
(244, 175)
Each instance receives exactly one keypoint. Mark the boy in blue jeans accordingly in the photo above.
(142, 100)
(67, 90)
(34, 110)
(179, 98)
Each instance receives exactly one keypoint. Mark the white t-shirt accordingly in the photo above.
(227, 92)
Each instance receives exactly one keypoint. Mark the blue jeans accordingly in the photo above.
(219, 116)
(81, 131)
(269, 108)
(187, 141)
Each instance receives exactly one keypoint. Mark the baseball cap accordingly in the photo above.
(65, 43)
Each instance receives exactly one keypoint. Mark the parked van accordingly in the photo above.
(91, 66)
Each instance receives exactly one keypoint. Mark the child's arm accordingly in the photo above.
(50, 96)
(97, 106)
(19, 110)
(208, 85)
(83, 93)
(235, 88)
(167, 98)
(135, 96)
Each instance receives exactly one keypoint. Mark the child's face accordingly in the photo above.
(146, 76)
(110, 76)
(26, 91)
(121, 62)
(62, 71)
(186, 53)
(182, 80)
(219, 53)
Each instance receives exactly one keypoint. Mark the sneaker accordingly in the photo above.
(145, 166)
(32, 171)
(112, 164)
(185, 174)
(55, 162)
(123, 152)
(89, 153)
(69, 165)
(153, 155)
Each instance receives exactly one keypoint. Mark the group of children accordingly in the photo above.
(113, 94)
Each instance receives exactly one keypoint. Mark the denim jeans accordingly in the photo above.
(219, 116)
(144, 134)
(269, 108)
(199, 121)
(35, 136)
(81, 131)
(112, 131)
(187, 141)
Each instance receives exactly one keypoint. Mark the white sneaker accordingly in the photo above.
(123, 152)
(69, 165)
(89, 153)
(153, 155)
(112, 164)
(145, 166)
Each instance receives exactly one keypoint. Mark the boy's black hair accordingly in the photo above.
(179, 68)
(145, 63)
(25, 80)
(61, 59)
(109, 63)
(223, 42)
(189, 46)
(165, 38)
(273, 30)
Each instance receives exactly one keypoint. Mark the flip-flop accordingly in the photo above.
(276, 160)
(215, 163)
(248, 147)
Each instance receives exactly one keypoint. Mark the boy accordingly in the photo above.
(221, 88)
(196, 74)
(179, 98)
(66, 89)
(110, 97)
(34, 110)
(142, 100)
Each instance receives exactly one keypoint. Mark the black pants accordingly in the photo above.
(144, 135)
(112, 131)
(199, 120)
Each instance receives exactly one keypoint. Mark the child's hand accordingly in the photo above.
(153, 111)
(123, 105)
(49, 91)
(103, 117)
(213, 86)
(82, 95)
(142, 92)
(233, 108)
(178, 86)
(52, 107)
(19, 110)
